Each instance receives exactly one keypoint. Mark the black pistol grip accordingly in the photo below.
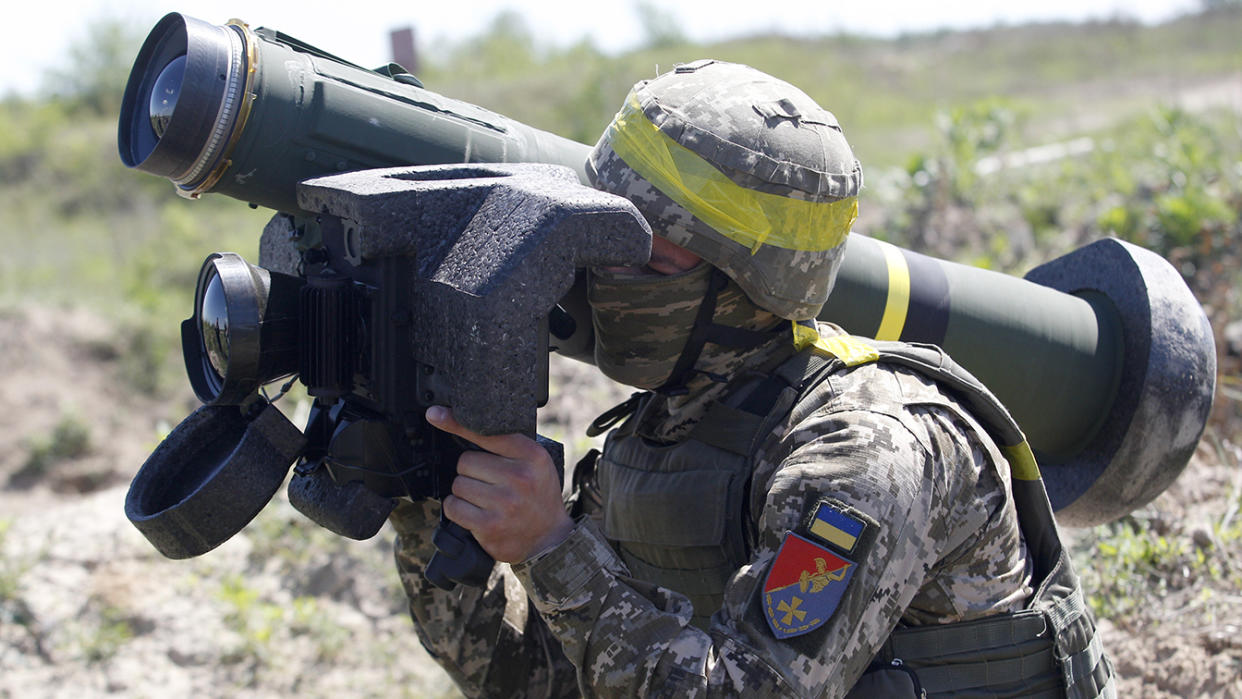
(458, 558)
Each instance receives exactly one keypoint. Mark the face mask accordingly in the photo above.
(642, 322)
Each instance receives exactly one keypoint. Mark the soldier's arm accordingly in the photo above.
(882, 487)
(487, 639)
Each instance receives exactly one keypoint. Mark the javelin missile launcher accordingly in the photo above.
(374, 287)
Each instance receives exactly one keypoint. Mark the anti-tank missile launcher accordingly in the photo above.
(1103, 355)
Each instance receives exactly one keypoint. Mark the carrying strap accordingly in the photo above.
(1021, 649)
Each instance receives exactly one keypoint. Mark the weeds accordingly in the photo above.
(70, 439)
(262, 624)
(13, 608)
(145, 364)
(1130, 569)
(307, 618)
(11, 571)
(1166, 180)
(101, 640)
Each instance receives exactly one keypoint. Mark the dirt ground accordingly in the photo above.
(87, 608)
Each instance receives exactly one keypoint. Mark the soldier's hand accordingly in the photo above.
(508, 496)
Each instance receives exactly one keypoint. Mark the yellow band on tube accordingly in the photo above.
(743, 215)
(898, 303)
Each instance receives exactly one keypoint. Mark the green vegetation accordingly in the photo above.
(103, 636)
(253, 619)
(1127, 564)
(1166, 179)
(69, 439)
(14, 611)
(11, 570)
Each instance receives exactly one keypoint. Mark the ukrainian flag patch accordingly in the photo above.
(832, 525)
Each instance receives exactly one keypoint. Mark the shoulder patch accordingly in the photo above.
(837, 526)
(803, 587)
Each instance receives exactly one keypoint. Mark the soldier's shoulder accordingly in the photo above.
(881, 386)
(885, 393)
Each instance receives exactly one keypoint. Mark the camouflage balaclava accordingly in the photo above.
(641, 322)
(745, 171)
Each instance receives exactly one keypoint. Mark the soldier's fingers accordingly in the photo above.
(484, 466)
(463, 512)
(514, 446)
(481, 494)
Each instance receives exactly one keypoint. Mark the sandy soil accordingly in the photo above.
(88, 608)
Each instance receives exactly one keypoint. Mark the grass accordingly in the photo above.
(104, 635)
(14, 611)
(11, 570)
(1154, 568)
(252, 619)
(1130, 570)
(69, 439)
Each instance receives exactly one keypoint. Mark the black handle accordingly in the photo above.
(458, 557)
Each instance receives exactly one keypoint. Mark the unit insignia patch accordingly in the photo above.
(803, 586)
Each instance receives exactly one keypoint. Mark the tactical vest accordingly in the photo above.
(1049, 649)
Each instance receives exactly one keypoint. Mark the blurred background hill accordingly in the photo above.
(999, 147)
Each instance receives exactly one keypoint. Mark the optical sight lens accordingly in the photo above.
(165, 93)
(214, 316)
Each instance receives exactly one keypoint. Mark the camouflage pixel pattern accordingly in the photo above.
(642, 322)
(485, 639)
(763, 134)
(876, 438)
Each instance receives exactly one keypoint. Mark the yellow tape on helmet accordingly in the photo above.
(743, 215)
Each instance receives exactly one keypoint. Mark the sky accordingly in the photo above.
(39, 30)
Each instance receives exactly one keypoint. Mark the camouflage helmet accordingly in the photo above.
(742, 169)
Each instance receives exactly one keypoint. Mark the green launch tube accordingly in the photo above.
(1103, 356)
(1053, 358)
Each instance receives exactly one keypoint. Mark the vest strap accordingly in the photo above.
(986, 675)
(1080, 670)
(992, 632)
(698, 580)
(1005, 650)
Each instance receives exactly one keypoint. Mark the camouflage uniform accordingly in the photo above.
(882, 441)
(776, 561)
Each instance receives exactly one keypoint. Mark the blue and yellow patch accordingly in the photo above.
(804, 586)
(834, 526)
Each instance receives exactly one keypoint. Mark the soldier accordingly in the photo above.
(784, 510)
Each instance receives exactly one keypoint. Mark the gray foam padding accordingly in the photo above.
(1165, 390)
